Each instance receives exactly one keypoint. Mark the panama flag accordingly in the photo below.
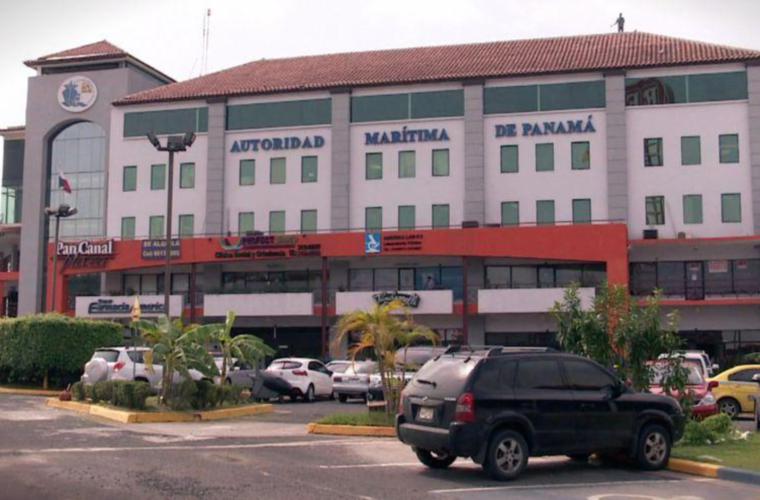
(64, 183)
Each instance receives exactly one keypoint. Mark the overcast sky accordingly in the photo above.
(168, 33)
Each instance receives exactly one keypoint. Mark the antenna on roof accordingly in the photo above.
(206, 35)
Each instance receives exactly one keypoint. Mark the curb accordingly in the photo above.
(29, 392)
(144, 417)
(714, 471)
(351, 430)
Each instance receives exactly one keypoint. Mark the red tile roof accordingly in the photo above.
(97, 50)
(451, 62)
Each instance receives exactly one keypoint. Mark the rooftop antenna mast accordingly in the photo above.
(206, 35)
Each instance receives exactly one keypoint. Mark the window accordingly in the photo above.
(127, 228)
(653, 152)
(545, 212)
(686, 88)
(406, 164)
(175, 121)
(690, 150)
(308, 221)
(129, 178)
(544, 157)
(406, 217)
(510, 159)
(538, 374)
(373, 218)
(186, 225)
(277, 221)
(437, 104)
(433, 104)
(510, 213)
(156, 226)
(157, 177)
(584, 376)
(731, 207)
(581, 156)
(517, 99)
(554, 96)
(729, 148)
(245, 222)
(582, 211)
(279, 114)
(655, 210)
(308, 169)
(692, 209)
(187, 175)
(498, 276)
(717, 86)
(743, 375)
(440, 216)
(440, 162)
(671, 277)
(247, 172)
(374, 166)
(277, 171)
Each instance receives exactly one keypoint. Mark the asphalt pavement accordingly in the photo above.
(48, 453)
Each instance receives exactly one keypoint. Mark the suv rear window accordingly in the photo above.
(496, 375)
(136, 356)
(539, 374)
(109, 355)
(449, 374)
(285, 365)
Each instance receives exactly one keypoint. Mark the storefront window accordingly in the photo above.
(671, 277)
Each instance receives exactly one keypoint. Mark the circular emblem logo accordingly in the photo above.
(77, 94)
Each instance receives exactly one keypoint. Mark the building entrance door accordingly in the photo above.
(695, 281)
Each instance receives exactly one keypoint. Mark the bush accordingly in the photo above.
(182, 395)
(130, 394)
(208, 395)
(78, 392)
(232, 394)
(203, 395)
(711, 430)
(51, 346)
(102, 391)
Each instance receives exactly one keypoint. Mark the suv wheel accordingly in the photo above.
(729, 406)
(507, 455)
(342, 398)
(434, 460)
(653, 450)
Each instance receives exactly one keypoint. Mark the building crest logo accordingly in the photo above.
(77, 94)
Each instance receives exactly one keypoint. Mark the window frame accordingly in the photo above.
(549, 146)
(128, 168)
(437, 152)
(587, 164)
(367, 156)
(276, 162)
(648, 158)
(183, 167)
(309, 211)
(723, 198)
(153, 168)
(241, 164)
(440, 206)
(133, 219)
(701, 209)
(304, 180)
(653, 198)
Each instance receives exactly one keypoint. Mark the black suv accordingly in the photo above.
(499, 406)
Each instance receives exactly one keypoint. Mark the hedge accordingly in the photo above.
(203, 395)
(35, 349)
(122, 393)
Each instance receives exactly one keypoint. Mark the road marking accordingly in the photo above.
(552, 486)
(366, 466)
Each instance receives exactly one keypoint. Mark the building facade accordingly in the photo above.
(475, 182)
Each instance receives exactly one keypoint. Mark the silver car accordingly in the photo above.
(353, 381)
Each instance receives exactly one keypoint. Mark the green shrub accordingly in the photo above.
(208, 395)
(51, 347)
(102, 391)
(130, 394)
(78, 391)
(230, 394)
(711, 430)
(182, 395)
(88, 392)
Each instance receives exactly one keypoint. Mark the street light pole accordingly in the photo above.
(63, 210)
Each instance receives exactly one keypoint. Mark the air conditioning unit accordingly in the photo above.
(470, 224)
(650, 234)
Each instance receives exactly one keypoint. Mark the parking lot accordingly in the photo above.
(47, 453)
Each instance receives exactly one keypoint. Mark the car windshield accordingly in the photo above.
(370, 367)
(338, 367)
(109, 355)
(661, 371)
(285, 365)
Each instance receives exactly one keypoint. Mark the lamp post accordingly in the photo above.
(174, 144)
(62, 211)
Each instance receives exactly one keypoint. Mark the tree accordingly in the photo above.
(246, 348)
(178, 348)
(384, 329)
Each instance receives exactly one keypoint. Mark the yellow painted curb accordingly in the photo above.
(695, 468)
(351, 430)
(242, 411)
(28, 392)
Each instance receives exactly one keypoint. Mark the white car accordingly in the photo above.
(707, 367)
(126, 363)
(308, 377)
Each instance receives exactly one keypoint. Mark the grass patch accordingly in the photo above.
(741, 454)
(374, 419)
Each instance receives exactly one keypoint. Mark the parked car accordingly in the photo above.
(707, 367)
(408, 361)
(735, 389)
(500, 407)
(353, 381)
(309, 378)
(697, 387)
(238, 373)
(338, 365)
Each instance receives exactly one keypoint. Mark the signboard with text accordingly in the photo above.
(156, 249)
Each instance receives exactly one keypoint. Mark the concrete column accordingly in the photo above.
(474, 157)
(215, 217)
(753, 88)
(617, 165)
(340, 168)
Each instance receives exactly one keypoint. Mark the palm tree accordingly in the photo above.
(246, 348)
(384, 329)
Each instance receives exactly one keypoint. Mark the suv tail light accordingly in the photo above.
(337, 379)
(465, 410)
(300, 373)
(118, 366)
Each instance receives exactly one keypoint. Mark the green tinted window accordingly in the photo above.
(692, 209)
(373, 218)
(544, 157)
(279, 114)
(129, 178)
(374, 166)
(406, 217)
(245, 222)
(659, 90)
(308, 221)
(440, 216)
(581, 155)
(729, 148)
(510, 213)
(406, 164)
(380, 107)
(247, 172)
(277, 221)
(717, 86)
(655, 210)
(545, 212)
(437, 104)
(157, 177)
(308, 169)
(186, 225)
(691, 153)
(510, 159)
(582, 211)
(187, 175)
(653, 152)
(573, 95)
(277, 171)
(156, 226)
(731, 207)
(686, 88)
(440, 162)
(127, 228)
(176, 121)
(510, 99)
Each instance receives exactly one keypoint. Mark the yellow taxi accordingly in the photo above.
(735, 389)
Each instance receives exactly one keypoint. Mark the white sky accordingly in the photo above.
(168, 33)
